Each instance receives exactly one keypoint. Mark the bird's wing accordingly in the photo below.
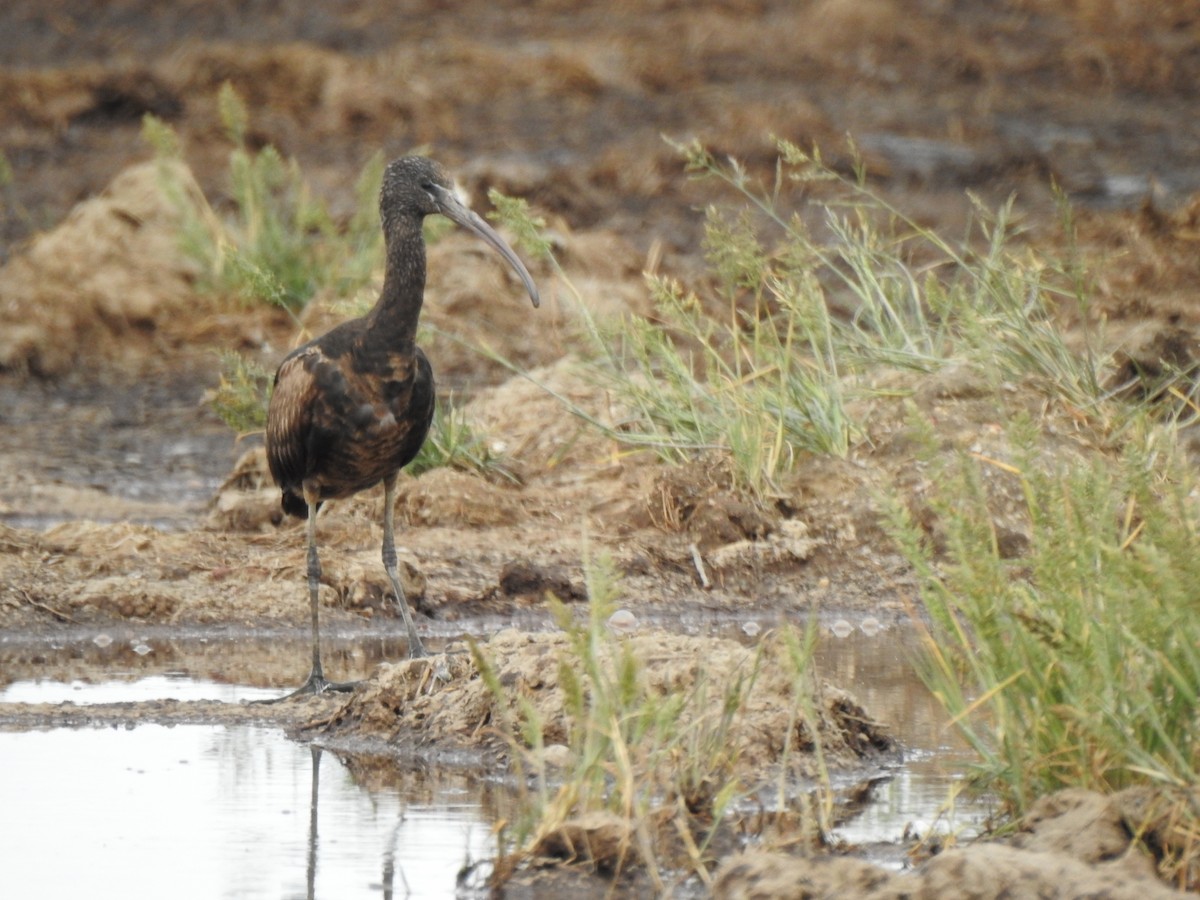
(422, 399)
(289, 418)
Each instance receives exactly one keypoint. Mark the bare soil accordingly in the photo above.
(127, 502)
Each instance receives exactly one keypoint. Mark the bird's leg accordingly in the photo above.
(316, 682)
(316, 677)
(415, 647)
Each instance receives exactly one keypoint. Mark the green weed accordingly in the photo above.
(662, 758)
(280, 244)
(8, 200)
(453, 442)
(915, 299)
(241, 396)
(763, 365)
(1077, 664)
(633, 749)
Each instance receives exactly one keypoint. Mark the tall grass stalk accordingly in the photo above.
(917, 299)
(636, 750)
(818, 806)
(1079, 663)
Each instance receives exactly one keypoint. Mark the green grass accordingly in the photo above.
(915, 299)
(1074, 664)
(8, 200)
(242, 394)
(663, 760)
(1078, 663)
(453, 442)
(279, 243)
(763, 363)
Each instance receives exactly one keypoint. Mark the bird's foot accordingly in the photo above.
(316, 683)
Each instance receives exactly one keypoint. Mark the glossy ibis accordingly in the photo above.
(351, 408)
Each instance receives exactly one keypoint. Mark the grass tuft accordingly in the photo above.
(453, 442)
(280, 244)
(634, 751)
(241, 396)
(660, 756)
(796, 318)
(1078, 663)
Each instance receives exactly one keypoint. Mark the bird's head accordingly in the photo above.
(415, 187)
(410, 186)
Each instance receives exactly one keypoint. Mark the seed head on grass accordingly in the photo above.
(527, 228)
(241, 396)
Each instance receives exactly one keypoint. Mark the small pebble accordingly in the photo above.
(557, 756)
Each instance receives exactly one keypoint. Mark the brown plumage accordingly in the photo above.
(352, 408)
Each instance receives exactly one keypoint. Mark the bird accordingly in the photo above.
(351, 408)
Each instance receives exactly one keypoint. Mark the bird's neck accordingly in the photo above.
(398, 308)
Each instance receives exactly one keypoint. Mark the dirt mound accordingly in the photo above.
(1071, 844)
(112, 268)
(445, 701)
(531, 416)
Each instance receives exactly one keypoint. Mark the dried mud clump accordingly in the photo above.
(599, 838)
(248, 499)
(118, 598)
(701, 502)
(457, 499)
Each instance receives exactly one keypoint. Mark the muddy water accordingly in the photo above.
(925, 798)
(241, 811)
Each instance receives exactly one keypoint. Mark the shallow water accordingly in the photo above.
(926, 793)
(227, 809)
(153, 687)
(203, 811)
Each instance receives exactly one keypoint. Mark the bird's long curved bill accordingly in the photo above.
(454, 209)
